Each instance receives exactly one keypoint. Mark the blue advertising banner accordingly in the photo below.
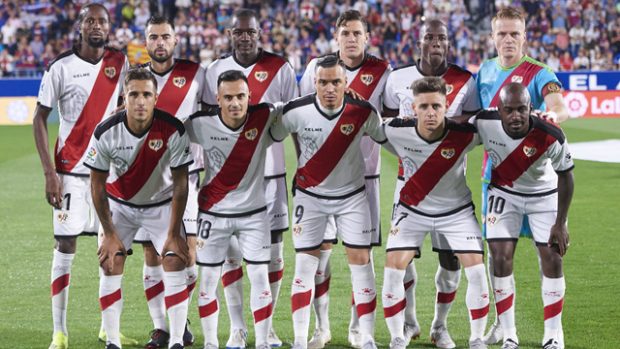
(590, 81)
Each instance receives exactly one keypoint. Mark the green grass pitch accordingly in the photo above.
(591, 313)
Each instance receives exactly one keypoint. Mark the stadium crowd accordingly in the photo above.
(565, 34)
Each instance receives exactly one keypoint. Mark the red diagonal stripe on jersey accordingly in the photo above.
(323, 162)
(128, 184)
(526, 71)
(455, 79)
(504, 304)
(232, 276)
(276, 276)
(154, 290)
(445, 297)
(300, 300)
(408, 284)
(178, 84)
(366, 308)
(177, 298)
(322, 288)
(263, 73)
(263, 313)
(237, 162)
(67, 157)
(191, 287)
(517, 162)
(106, 301)
(554, 309)
(60, 283)
(368, 77)
(207, 309)
(394, 309)
(435, 167)
(479, 313)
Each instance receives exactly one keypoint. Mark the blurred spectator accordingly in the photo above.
(582, 62)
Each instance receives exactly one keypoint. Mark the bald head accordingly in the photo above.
(433, 23)
(514, 109)
(514, 90)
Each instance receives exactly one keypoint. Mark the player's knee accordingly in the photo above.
(552, 265)
(66, 244)
(172, 262)
(502, 264)
(151, 257)
(396, 260)
(358, 256)
(448, 261)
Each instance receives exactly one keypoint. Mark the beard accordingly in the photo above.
(160, 59)
(96, 43)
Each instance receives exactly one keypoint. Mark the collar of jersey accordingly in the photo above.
(234, 130)
(325, 115)
(356, 67)
(258, 57)
(443, 134)
(512, 66)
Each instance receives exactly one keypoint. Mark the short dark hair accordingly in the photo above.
(82, 14)
(231, 75)
(351, 15)
(157, 19)
(329, 61)
(429, 84)
(243, 13)
(139, 73)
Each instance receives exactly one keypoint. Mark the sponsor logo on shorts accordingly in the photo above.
(473, 237)
(447, 153)
(394, 231)
(529, 151)
(347, 129)
(110, 72)
(367, 79)
(62, 217)
(251, 134)
(297, 229)
(179, 81)
(156, 144)
(261, 75)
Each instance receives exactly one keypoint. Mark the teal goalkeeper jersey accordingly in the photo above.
(530, 72)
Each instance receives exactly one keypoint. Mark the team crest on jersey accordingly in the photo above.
(347, 129)
(448, 153)
(449, 89)
(261, 75)
(529, 151)
(179, 81)
(110, 72)
(367, 79)
(156, 144)
(251, 134)
(517, 79)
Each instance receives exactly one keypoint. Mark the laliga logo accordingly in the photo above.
(577, 104)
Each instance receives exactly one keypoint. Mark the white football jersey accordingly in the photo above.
(180, 92)
(462, 93)
(434, 172)
(85, 93)
(139, 165)
(330, 162)
(271, 80)
(525, 165)
(234, 159)
(368, 79)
